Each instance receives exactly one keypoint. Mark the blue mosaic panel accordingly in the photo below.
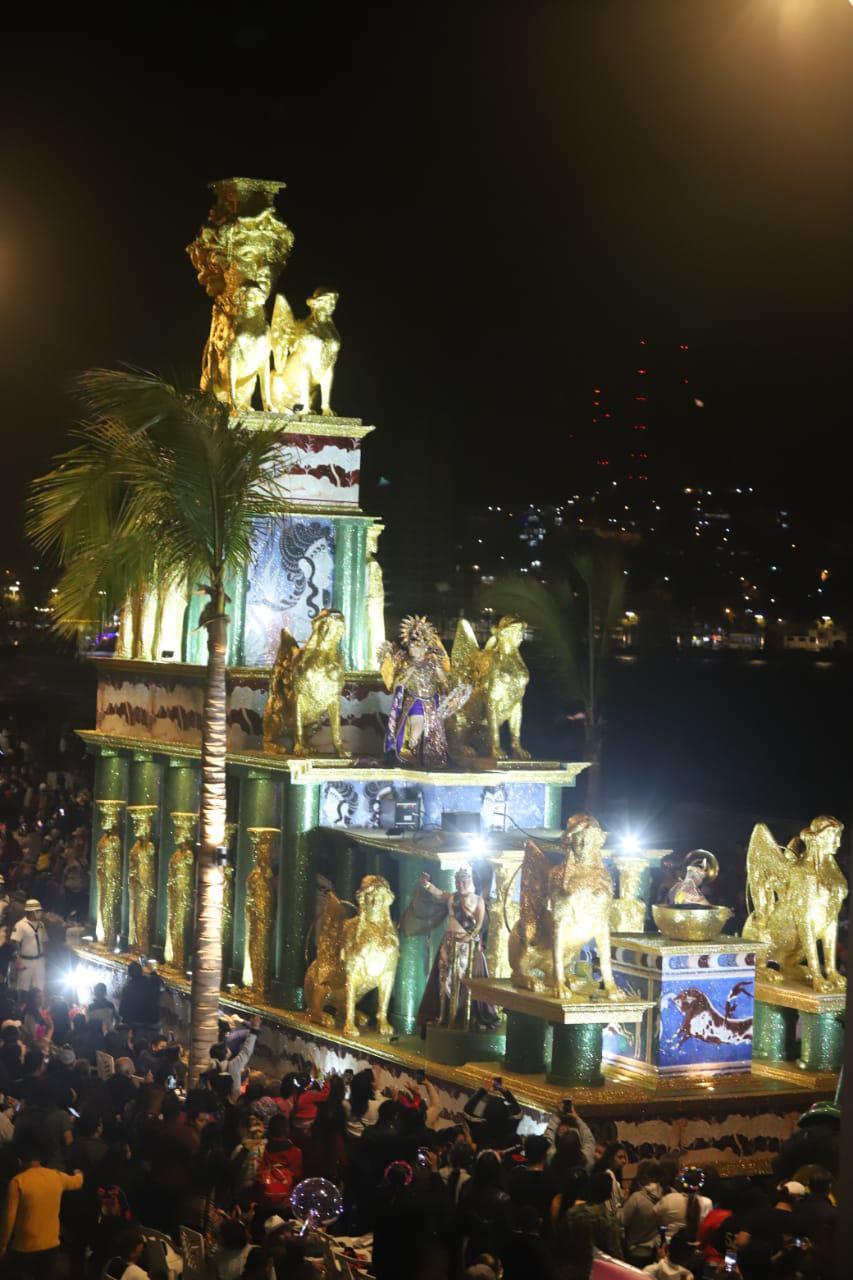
(290, 581)
(705, 1007)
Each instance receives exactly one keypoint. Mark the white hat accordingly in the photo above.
(32, 904)
(794, 1189)
(275, 1223)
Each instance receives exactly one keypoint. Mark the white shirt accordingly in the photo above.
(31, 938)
(672, 1211)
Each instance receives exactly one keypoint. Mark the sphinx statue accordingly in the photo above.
(179, 891)
(353, 957)
(238, 256)
(108, 872)
(304, 354)
(141, 878)
(498, 679)
(796, 893)
(258, 912)
(306, 686)
(561, 910)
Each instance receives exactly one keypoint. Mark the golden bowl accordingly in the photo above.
(691, 924)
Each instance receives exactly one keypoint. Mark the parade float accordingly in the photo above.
(403, 883)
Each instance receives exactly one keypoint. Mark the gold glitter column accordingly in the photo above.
(143, 788)
(110, 784)
(259, 912)
(141, 878)
(108, 870)
(179, 892)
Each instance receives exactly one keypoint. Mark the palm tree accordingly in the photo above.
(161, 488)
(573, 620)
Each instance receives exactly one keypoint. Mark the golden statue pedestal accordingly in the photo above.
(562, 1037)
(813, 1059)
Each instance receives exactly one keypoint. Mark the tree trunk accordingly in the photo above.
(207, 951)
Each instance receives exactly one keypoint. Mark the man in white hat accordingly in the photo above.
(30, 937)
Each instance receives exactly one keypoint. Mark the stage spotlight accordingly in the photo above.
(630, 843)
(476, 843)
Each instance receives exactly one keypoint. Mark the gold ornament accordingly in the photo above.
(796, 894)
(628, 912)
(561, 910)
(179, 890)
(691, 923)
(498, 678)
(304, 354)
(141, 878)
(353, 957)
(238, 257)
(375, 597)
(306, 686)
(258, 911)
(109, 873)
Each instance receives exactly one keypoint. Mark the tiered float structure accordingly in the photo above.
(645, 1053)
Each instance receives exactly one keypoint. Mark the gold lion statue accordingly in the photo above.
(306, 685)
(795, 895)
(353, 957)
(498, 678)
(304, 353)
(562, 908)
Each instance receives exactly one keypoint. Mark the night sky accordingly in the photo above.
(504, 194)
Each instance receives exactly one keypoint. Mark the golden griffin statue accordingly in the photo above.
(353, 957)
(561, 910)
(238, 256)
(304, 354)
(306, 686)
(498, 678)
(795, 894)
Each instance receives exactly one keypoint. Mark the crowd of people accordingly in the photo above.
(105, 1170)
(103, 1176)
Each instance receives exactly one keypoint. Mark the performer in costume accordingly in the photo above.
(30, 935)
(460, 954)
(419, 675)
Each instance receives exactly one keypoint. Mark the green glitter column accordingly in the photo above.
(822, 1044)
(260, 806)
(110, 784)
(774, 1033)
(444, 879)
(143, 787)
(296, 891)
(346, 878)
(553, 806)
(576, 1054)
(180, 795)
(410, 980)
(528, 1043)
(350, 588)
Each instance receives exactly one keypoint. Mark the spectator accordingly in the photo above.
(493, 1116)
(101, 1009)
(484, 1209)
(222, 1061)
(612, 1161)
(120, 1085)
(639, 1214)
(528, 1184)
(677, 1260)
(139, 1002)
(586, 1225)
(30, 1220)
(130, 1247)
(43, 1123)
(684, 1207)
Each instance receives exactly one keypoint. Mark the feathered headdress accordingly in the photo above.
(418, 628)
